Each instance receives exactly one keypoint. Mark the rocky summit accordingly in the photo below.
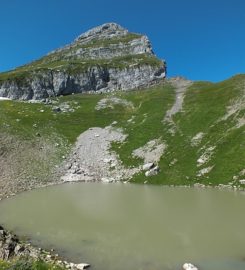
(104, 59)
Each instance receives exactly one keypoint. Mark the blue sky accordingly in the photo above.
(200, 39)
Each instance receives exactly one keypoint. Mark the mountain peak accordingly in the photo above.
(107, 30)
(105, 58)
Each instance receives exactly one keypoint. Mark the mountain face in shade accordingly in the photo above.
(105, 58)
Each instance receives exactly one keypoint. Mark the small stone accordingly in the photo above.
(107, 160)
(107, 180)
(56, 109)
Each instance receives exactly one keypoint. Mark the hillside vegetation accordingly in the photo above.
(25, 264)
(207, 145)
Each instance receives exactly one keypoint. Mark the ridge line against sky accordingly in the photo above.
(201, 40)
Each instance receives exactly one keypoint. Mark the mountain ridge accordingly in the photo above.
(105, 58)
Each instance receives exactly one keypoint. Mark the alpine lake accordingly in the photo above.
(133, 227)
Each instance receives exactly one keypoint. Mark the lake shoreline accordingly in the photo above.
(12, 248)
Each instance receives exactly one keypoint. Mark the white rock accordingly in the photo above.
(152, 172)
(148, 166)
(189, 266)
(200, 161)
(242, 181)
(82, 266)
(107, 180)
(196, 140)
(107, 160)
(113, 165)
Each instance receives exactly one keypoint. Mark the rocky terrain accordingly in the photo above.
(93, 160)
(12, 249)
(104, 59)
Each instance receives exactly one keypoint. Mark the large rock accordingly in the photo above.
(147, 166)
(8, 244)
(82, 266)
(154, 171)
(189, 266)
(106, 58)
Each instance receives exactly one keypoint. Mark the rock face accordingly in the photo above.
(11, 247)
(106, 58)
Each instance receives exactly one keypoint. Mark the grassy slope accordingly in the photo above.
(25, 264)
(204, 105)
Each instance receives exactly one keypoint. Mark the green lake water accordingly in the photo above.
(133, 227)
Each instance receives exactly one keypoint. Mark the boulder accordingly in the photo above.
(189, 266)
(152, 172)
(56, 109)
(8, 244)
(148, 166)
(82, 266)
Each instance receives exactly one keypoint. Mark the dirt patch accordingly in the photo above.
(196, 140)
(111, 102)
(180, 85)
(151, 152)
(236, 107)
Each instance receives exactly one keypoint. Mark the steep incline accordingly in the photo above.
(106, 58)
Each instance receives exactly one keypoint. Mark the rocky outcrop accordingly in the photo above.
(106, 58)
(104, 42)
(11, 248)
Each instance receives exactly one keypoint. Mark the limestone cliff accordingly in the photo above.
(106, 58)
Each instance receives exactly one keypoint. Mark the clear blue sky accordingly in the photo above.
(200, 39)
